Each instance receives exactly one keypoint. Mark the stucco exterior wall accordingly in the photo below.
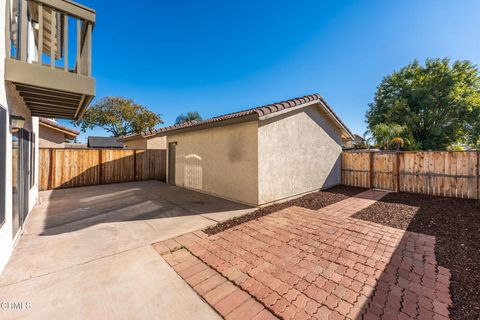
(299, 151)
(147, 143)
(50, 138)
(136, 144)
(157, 143)
(221, 161)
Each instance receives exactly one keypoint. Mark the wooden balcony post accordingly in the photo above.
(79, 43)
(52, 38)
(8, 15)
(89, 49)
(22, 31)
(65, 42)
(40, 34)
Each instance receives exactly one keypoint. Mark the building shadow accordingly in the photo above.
(73, 209)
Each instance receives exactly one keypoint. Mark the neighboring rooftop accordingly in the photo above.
(69, 132)
(104, 142)
(256, 112)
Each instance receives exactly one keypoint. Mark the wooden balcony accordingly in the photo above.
(51, 74)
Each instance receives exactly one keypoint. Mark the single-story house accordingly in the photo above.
(54, 135)
(144, 140)
(104, 143)
(259, 155)
(357, 141)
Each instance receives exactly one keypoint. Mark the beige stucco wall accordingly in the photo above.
(157, 143)
(50, 138)
(221, 161)
(299, 152)
(147, 143)
(136, 144)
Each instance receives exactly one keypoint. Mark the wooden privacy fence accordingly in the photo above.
(65, 168)
(442, 173)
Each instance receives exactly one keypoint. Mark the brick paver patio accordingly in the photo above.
(304, 264)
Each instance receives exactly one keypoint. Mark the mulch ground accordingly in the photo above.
(456, 225)
(314, 201)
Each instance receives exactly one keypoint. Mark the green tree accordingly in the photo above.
(190, 116)
(119, 116)
(388, 136)
(438, 103)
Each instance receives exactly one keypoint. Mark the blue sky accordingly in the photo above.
(217, 57)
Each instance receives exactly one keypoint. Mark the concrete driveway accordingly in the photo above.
(86, 253)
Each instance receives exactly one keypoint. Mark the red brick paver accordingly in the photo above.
(304, 264)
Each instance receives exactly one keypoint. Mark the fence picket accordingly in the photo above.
(66, 168)
(443, 173)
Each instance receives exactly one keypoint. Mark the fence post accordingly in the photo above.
(478, 175)
(397, 154)
(135, 165)
(100, 166)
(51, 177)
(371, 169)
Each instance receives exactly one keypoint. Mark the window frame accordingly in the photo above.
(33, 154)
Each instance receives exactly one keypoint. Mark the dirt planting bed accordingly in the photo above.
(456, 225)
(312, 201)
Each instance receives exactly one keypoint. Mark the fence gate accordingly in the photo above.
(384, 170)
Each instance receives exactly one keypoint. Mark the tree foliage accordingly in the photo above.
(438, 103)
(387, 136)
(190, 116)
(119, 116)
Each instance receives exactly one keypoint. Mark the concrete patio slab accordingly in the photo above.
(76, 236)
(135, 284)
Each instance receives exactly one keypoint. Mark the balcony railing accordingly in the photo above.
(47, 21)
(48, 38)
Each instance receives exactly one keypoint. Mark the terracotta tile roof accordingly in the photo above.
(260, 111)
(55, 125)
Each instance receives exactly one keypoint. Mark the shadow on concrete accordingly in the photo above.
(72, 209)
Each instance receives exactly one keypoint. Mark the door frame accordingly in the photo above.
(23, 181)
